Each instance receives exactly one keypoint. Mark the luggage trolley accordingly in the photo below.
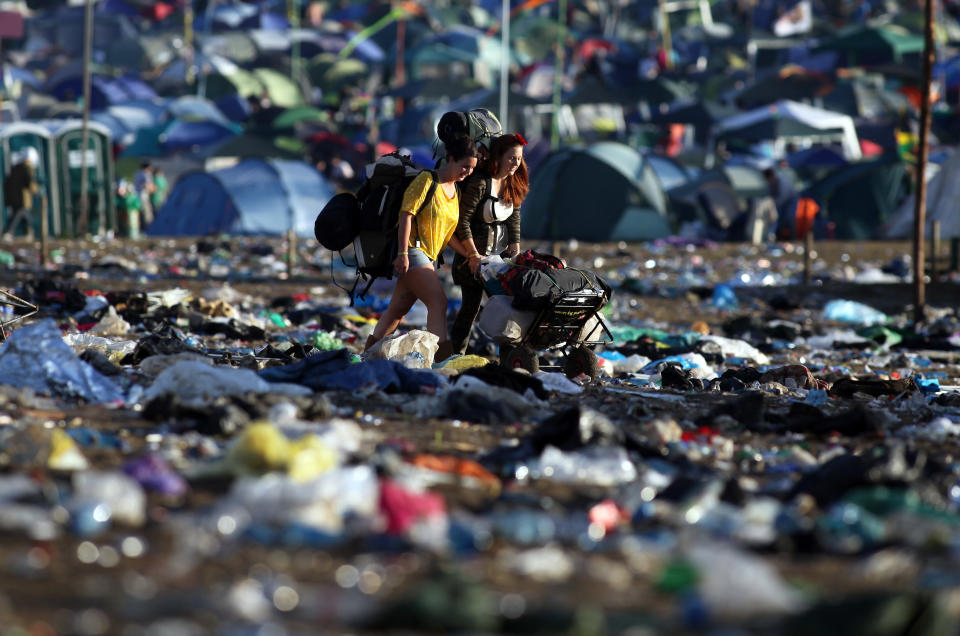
(571, 324)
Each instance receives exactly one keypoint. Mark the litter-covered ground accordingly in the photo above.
(191, 445)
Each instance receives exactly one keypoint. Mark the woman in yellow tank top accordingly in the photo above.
(422, 238)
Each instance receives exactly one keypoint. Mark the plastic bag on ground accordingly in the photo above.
(155, 365)
(852, 311)
(693, 362)
(36, 357)
(319, 503)
(624, 364)
(558, 382)
(736, 584)
(111, 325)
(501, 322)
(738, 349)
(594, 466)
(399, 348)
(198, 384)
(121, 493)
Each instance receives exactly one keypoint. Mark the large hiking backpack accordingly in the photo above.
(370, 217)
(479, 124)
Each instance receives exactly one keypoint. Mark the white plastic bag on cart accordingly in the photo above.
(491, 267)
(501, 322)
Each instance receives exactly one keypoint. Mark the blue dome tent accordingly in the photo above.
(254, 197)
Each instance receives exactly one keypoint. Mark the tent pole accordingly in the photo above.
(558, 74)
(207, 20)
(82, 225)
(920, 209)
(190, 71)
(293, 15)
(504, 60)
(400, 70)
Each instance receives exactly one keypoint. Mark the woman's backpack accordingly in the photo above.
(369, 218)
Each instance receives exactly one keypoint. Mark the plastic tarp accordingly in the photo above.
(809, 118)
(604, 192)
(250, 198)
(943, 192)
(36, 357)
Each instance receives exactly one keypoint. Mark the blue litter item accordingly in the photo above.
(611, 355)
(853, 312)
(35, 356)
(816, 397)
(928, 385)
(336, 369)
(654, 366)
(724, 297)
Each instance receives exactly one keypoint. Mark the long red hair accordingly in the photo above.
(515, 187)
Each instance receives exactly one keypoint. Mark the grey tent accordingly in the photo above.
(604, 192)
(943, 191)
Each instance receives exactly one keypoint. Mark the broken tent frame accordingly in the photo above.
(13, 302)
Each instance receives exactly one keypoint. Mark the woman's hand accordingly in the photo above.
(401, 264)
(512, 250)
(474, 262)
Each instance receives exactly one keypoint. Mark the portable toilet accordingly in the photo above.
(68, 144)
(14, 138)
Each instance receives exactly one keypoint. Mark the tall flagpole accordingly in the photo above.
(920, 209)
(504, 60)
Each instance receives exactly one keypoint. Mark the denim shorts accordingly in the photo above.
(417, 258)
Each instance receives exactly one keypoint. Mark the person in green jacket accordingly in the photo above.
(128, 205)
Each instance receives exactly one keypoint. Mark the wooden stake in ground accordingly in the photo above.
(291, 251)
(43, 231)
(807, 256)
(934, 250)
(920, 210)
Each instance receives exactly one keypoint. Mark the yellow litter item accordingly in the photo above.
(310, 458)
(462, 363)
(64, 454)
(260, 448)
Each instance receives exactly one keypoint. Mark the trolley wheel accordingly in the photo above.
(581, 360)
(520, 358)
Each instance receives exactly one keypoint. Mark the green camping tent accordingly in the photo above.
(865, 45)
(604, 192)
(862, 196)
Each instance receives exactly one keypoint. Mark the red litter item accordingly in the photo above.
(404, 508)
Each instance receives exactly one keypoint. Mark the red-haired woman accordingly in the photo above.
(489, 224)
